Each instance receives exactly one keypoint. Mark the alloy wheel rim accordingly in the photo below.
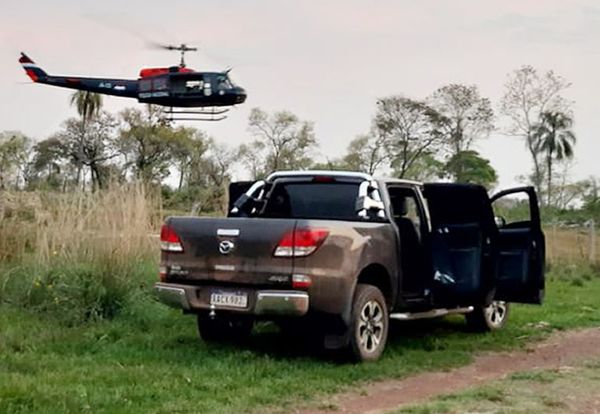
(496, 313)
(370, 326)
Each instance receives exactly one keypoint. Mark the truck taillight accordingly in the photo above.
(300, 242)
(301, 281)
(169, 240)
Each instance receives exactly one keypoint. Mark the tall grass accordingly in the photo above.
(571, 245)
(78, 255)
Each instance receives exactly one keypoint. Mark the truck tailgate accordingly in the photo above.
(231, 250)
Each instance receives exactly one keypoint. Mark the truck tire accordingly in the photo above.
(224, 328)
(489, 318)
(369, 324)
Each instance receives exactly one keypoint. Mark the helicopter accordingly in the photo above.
(174, 87)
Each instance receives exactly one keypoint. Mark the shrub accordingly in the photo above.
(80, 256)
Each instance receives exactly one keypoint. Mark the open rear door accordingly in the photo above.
(521, 248)
(462, 244)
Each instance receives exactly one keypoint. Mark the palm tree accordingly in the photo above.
(554, 138)
(88, 104)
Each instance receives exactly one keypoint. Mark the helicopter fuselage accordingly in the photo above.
(177, 86)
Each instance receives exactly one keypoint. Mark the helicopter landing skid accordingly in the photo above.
(200, 115)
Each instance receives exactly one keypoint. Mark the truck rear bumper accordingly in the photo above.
(260, 302)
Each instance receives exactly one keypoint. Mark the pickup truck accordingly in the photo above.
(342, 253)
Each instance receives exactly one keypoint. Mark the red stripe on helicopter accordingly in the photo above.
(31, 74)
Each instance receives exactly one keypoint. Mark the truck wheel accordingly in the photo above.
(369, 324)
(224, 328)
(489, 318)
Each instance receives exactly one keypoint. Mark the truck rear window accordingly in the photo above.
(335, 201)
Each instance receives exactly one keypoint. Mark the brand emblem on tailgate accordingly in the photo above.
(226, 246)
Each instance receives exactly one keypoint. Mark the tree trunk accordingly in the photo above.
(549, 182)
(538, 177)
(181, 175)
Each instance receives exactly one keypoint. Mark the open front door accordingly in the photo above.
(521, 248)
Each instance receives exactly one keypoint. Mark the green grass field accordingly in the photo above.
(148, 358)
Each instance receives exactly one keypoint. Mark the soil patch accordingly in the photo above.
(564, 348)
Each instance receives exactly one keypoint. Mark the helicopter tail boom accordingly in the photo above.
(34, 72)
(118, 87)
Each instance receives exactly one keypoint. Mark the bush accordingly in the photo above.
(80, 256)
(76, 292)
(575, 273)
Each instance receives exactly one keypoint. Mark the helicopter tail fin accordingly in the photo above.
(32, 70)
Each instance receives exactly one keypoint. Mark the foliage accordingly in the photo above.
(88, 104)
(426, 168)
(282, 142)
(555, 140)
(146, 141)
(528, 94)
(88, 143)
(366, 153)
(188, 149)
(464, 116)
(73, 292)
(470, 167)
(49, 168)
(148, 358)
(14, 150)
(409, 130)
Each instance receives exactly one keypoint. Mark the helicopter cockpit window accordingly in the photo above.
(160, 84)
(224, 82)
(145, 85)
(194, 85)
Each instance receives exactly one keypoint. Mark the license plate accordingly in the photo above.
(234, 300)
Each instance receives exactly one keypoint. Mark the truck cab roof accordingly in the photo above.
(343, 174)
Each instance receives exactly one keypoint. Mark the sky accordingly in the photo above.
(327, 61)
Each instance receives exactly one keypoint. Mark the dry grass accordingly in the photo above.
(118, 222)
(80, 227)
(79, 256)
(570, 245)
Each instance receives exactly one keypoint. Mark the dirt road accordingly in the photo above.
(561, 349)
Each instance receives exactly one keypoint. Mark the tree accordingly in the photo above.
(553, 138)
(407, 129)
(216, 167)
(464, 117)
(427, 167)
(282, 142)
(88, 104)
(527, 95)
(366, 153)
(188, 149)
(89, 143)
(146, 142)
(14, 155)
(252, 157)
(48, 164)
(473, 169)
